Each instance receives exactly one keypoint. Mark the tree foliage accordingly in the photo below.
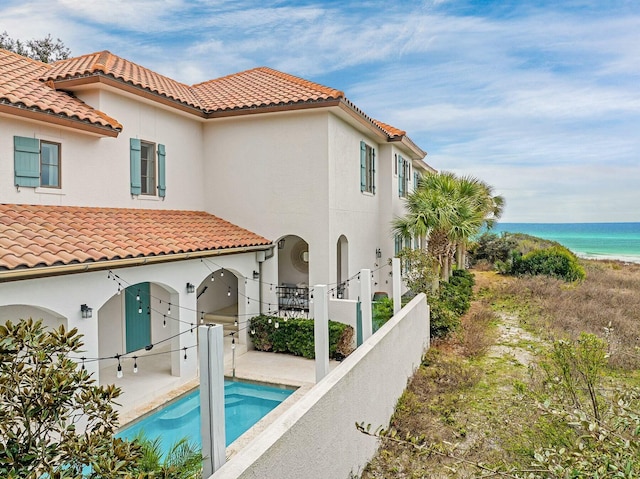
(54, 421)
(182, 461)
(45, 49)
(449, 210)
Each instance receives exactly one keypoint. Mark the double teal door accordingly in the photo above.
(138, 316)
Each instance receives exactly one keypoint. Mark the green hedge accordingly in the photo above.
(450, 302)
(556, 261)
(295, 336)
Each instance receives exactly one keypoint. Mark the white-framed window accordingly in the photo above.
(37, 163)
(404, 174)
(367, 168)
(147, 164)
(147, 168)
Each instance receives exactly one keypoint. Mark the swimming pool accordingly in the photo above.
(244, 405)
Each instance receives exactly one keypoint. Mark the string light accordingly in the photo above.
(229, 291)
(164, 321)
(138, 296)
(83, 359)
(185, 353)
(169, 310)
(140, 308)
(119, 373)
(277, 325)
(233, 342)
(135, 364)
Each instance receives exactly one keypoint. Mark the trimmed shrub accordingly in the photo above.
(556, 261)
(295, 336)
(450, 303)
(382, 312)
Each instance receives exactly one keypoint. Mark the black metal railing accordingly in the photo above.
(293, 298)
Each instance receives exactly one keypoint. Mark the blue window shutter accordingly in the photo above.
(373, 171)
(135, 166)
(363, 166)
(400, 176)
(162, 183)
(26, 161)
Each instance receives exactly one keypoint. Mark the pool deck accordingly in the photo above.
(153, 385)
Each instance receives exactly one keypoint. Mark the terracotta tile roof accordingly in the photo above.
(392, 131)
(122, 69)
(37, 236)
(20, 87)
(260, 87)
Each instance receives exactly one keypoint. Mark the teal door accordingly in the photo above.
(137, 316)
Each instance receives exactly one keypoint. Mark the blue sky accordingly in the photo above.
(539, 98)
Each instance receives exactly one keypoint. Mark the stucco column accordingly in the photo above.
(397, 282)
(365, 303)
(321, 330)
(184, 309)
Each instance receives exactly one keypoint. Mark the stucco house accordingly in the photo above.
(133, 206)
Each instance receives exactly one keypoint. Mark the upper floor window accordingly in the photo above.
(147, 162)
(404, 175)
(367, 168)
(36, 162)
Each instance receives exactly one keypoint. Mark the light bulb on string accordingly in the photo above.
(138, 296)
(277, 325)
(221, 273)
(83, 358)
(253, 332)
(118, 292)
(164, 321)
(135, 364)
(269, 320)
(140, 309)
(229, 291)
(233, 342)
(235, 322)
(201, 317)
(185, 353)
(212, 278)
(119, 373)
(169, 310)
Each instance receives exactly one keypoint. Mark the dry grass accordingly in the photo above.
(477, 401)
(610, 295)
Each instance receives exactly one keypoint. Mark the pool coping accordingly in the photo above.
(174, 394)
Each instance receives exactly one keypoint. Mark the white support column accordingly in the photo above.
(365, 303)
(321, 330)
(212, 425)
(397, 282)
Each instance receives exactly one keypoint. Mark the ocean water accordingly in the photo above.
(619, 241)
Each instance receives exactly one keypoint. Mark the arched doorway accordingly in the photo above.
(342, 267)
(293, 274)
(218, 299)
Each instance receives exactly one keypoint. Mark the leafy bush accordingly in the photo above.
(382, 312)
(450, 302)
(492, 248)
(556, 261)
(295, 336)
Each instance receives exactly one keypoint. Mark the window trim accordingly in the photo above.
(145, 188)
(59, 165)
(367, 169)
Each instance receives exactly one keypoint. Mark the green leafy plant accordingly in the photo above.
(182, 461)
(556, 261)
(382, 311)
(295, 336)
(54, 421)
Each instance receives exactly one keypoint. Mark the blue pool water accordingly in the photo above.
(244, 405)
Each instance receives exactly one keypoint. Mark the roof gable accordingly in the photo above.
(260, 87)
(127, 71)
(21, 89)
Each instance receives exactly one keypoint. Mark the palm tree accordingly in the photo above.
(448, 210)
(182, 461)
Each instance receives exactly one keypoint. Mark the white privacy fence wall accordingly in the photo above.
(317, 437)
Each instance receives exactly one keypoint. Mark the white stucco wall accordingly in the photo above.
(95, 171)
(59, 298)
(316, 437)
